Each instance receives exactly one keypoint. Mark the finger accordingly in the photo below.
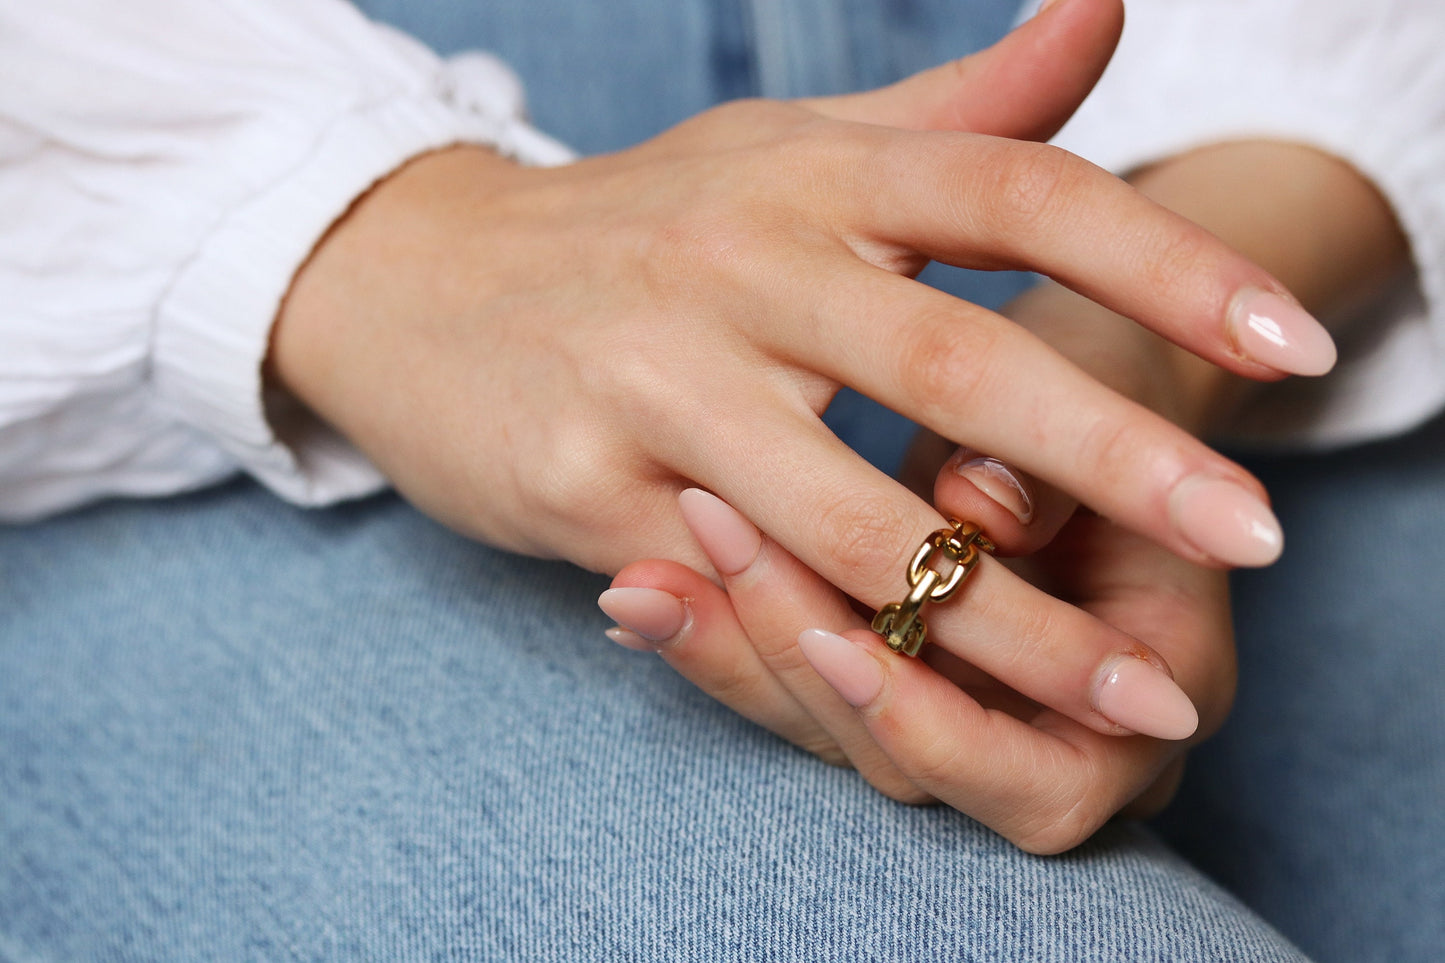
(672, 610)
(1024, 86)
(775, 598)
(985, 202)
(972, 375)
(1046, 786)
(859, 531)
(1020, 513)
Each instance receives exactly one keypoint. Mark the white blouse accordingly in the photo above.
(165, 168)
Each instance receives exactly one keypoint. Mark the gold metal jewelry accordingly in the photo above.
(901, 623)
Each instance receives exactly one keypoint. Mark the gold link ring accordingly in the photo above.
(901, 623)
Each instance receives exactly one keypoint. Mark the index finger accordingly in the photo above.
(987, 202)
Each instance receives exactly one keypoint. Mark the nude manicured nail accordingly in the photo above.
(1225, 521)
(1276, 332)
(1138, 696)
(650, 613)
(997, 481)
(629, 639)
(853, 673)
(730, 540)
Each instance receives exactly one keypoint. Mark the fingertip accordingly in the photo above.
(996, 480)
(1139, 696)
(730, 541)
(1019, 513)
(846, 666)
(653, 614)
(1225, 521)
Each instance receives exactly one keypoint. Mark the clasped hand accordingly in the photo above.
(545, 358)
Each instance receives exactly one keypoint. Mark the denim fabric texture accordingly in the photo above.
(235, 730)
(1322, 802)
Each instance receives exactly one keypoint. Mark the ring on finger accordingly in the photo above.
(901, 623)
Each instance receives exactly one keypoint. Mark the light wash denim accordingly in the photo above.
(1322, 803)
(235, 730)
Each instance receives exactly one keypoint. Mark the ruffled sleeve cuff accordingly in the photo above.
(213, 325)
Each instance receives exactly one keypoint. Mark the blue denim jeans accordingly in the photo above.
(235, 730)
(231, 729)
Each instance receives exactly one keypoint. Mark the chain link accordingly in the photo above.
(900, 623)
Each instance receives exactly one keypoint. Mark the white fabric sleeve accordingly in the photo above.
(165, 168)
(1362, 81)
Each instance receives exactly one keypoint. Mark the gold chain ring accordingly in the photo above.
(901, 623)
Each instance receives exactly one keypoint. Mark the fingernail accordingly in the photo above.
(1048, 3)
(853, 673)
(730, 540)
(1225, 521)
(652, 614)
(1139, 696)
(997, 481)
(629, 639)
(1276, 332)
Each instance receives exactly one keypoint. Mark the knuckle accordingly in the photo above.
(945, 365)
(1030, 183)
(864, 531)
(936, 762)
(1033, 639)
(1064, 819)
(555, 494)
(1173, 260)
(1110, 450)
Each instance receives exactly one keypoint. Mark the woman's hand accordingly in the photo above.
(989, 721)
(544, 358)
(1237, 189)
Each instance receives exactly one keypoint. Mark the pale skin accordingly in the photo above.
(544, 359)
(1038, 777)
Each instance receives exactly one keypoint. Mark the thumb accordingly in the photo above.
(1025, 86)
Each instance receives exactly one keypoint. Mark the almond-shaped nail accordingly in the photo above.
(1225, 521)
(730, 540)
(853, 673)
(1280, 334)
(652, 614)
(629, 639)
(997, 481)
(1140, 697)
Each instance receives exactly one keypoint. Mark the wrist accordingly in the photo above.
(396, 255)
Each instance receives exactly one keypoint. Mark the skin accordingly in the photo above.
(542, 359)
(946, 731)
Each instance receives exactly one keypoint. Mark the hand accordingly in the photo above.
(544, 358)
(742, 648)
(1236, 189)
(940, 727)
